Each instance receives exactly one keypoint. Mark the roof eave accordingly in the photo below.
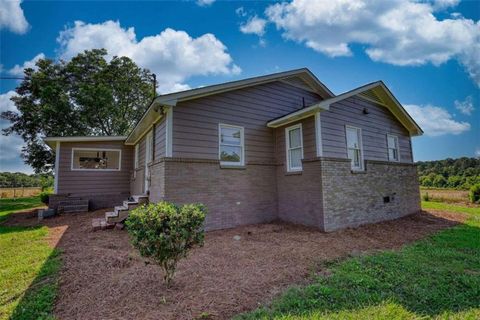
(298, 115)
(52, 141)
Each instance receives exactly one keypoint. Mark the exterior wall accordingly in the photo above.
(233, 196)
(103, 188)
(137, 181)
(374, 125)
(351, 199)
(160, 139)
(299, 193)
(195, 129)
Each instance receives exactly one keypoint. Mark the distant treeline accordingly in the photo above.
(18, 179)
(461, 173)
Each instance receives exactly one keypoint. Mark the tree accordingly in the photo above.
(165, 232)
(85, 96)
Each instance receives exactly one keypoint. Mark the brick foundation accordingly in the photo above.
(351, 199)
(326, 195)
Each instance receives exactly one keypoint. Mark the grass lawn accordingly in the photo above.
(450, 207)
(28, 267)
(8, 206)
(436, 278)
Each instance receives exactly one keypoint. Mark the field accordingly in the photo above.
(19, 192)
(445, 195)
(8, 206)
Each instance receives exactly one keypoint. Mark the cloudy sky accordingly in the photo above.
(427, 52)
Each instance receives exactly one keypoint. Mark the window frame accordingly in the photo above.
(97, 149)
(360, 142)
(242, 145)
(397, 147)
(288, 149)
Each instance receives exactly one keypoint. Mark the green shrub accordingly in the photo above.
(45, 196)
(474, 194)
(165, 232)
(426, 197)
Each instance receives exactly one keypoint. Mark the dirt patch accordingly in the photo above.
(103, 277)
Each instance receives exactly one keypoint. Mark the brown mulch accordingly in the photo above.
(103, 277)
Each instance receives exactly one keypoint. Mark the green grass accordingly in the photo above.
(28, 273)
(449, 207)
(435, 278)
(8, 206)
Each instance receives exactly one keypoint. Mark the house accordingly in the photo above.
(280, 146)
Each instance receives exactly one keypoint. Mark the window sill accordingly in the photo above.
(234, 167)
(294, 173)
(358, 171)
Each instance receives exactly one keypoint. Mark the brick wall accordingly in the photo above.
(233, 196)
(351, 199)
(300, 194)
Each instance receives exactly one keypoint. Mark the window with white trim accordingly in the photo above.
(96, 159)
(393, 148)
(231, 147)
(294, 147)
(354, 147)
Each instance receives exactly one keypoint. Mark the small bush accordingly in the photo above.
(426, 197)
(45, 196)
(165, 232)
(474, 193)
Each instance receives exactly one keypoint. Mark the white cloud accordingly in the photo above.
(399, 32)
(17, 70)
(477, 152)
(436, 121)
(254, 25)
(173, 55)
(5, 103)
(205, 3)
(466, 106)
(240, 11)
(11, 145)
(444, 4)
(12, 17)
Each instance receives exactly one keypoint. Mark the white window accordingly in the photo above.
(393, 149)
(354, 147)
(294, 147)
(231, 149)
(96, 159)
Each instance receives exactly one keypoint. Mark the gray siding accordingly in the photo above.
(94, 182)
(195, 122)
(309, 144)
(374, 125)
(160, 139)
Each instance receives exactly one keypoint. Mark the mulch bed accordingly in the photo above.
(103, 277)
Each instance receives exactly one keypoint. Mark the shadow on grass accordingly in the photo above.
(30, 269)
(433, 277)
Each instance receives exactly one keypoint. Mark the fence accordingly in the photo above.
(20, 192)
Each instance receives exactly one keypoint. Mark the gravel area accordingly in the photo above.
(103, 277)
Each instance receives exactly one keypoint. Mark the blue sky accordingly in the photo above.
(427, 52)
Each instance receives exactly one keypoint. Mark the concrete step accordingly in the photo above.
(119, 209)
(101, 224)
(130, 204)
(141, 199)
(111, 214)
(119, 218)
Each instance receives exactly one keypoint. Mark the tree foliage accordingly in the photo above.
(461, 173)
(18, 179)
(87, 95)
(165, 232)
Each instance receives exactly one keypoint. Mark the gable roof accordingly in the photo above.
(376, 92)
(154, 114)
